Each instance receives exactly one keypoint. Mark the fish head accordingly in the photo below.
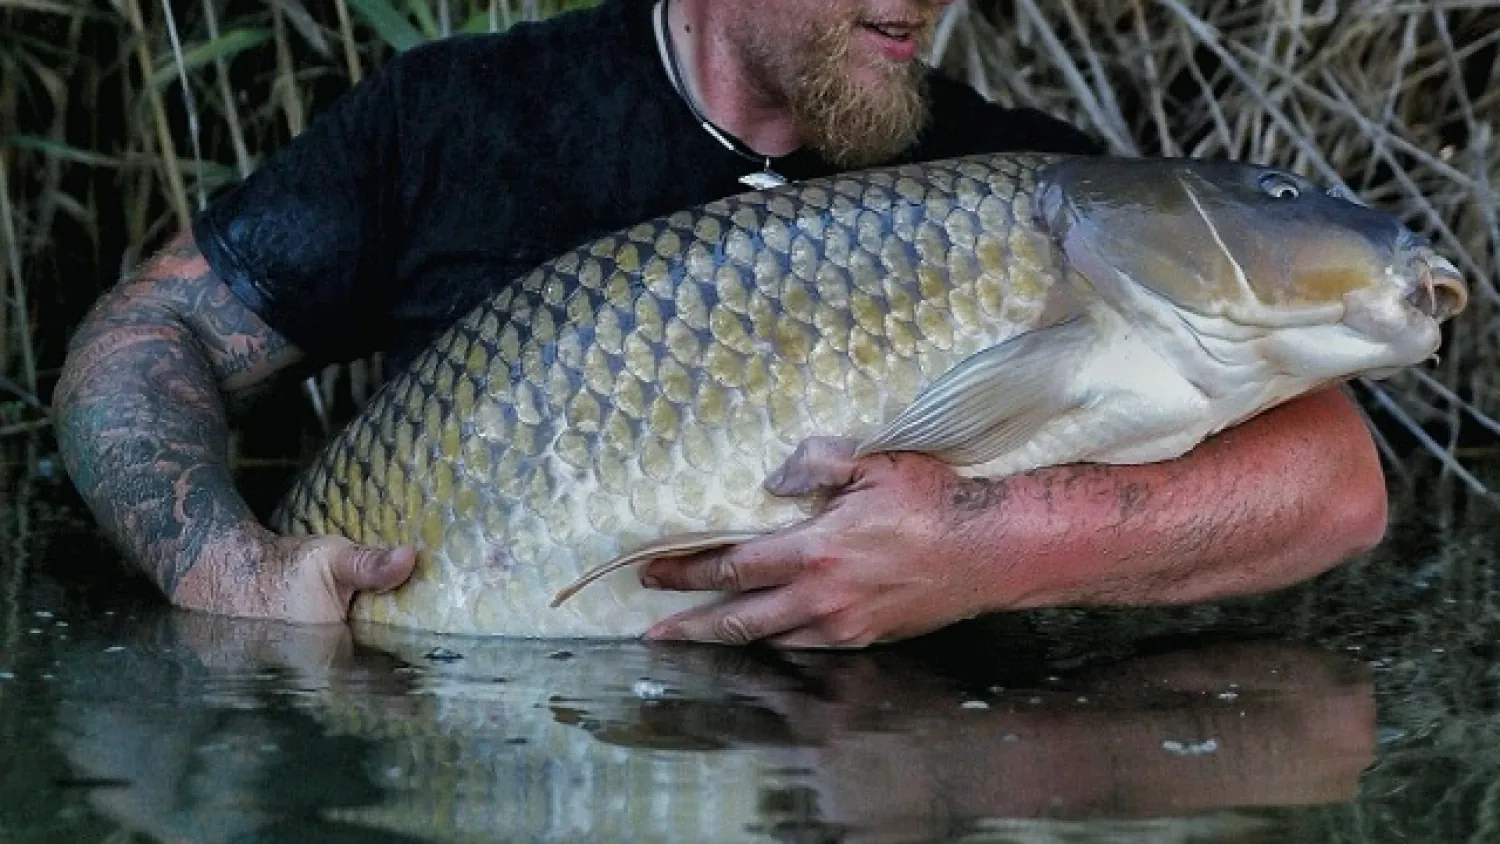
(1244, 251)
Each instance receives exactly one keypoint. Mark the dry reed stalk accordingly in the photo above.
(346, 35)
(8, 108)
(5, 307)
(19, 393)
(288, 94)
(166, 146)
(1107, 125)
(20, 428)
(20, 313)
(189, 106)
(1153, 80)
(226, 95)
(50, 197)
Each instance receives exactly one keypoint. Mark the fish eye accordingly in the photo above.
(1279, 186)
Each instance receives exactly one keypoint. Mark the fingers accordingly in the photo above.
(300, 579)
(761, 563)
(739, 621)
(820, 464)
(782, 617)
(360, 568)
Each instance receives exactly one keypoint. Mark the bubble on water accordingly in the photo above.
(1191, 748)
(1391, 735)
(648, 689)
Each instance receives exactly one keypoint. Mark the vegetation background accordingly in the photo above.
(120, 118)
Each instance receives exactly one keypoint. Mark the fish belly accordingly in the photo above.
(646, 383)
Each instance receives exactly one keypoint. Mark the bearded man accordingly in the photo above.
(466, 162)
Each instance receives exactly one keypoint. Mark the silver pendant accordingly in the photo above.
(763, 180)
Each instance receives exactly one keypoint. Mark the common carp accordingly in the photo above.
(1001, 312)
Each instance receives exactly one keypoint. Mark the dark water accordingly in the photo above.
(1361, 707)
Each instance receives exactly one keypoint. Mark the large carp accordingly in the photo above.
(1001, 312)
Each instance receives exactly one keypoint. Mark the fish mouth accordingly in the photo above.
(1440, 291)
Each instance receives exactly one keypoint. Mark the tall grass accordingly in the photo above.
(119, 119)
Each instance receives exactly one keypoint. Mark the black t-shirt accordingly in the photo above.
(468, 161)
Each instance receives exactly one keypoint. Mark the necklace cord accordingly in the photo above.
(679, 84)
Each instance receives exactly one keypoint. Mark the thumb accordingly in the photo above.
(361, 568)
(819, 465)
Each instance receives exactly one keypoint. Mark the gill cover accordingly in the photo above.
(1216, 238)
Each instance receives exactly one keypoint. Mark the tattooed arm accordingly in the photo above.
(908, 545)
(142, 420)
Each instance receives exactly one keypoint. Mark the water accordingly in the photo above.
(1362, 707)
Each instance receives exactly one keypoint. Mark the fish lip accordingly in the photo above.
(1439, 291)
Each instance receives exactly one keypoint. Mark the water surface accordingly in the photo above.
(1361, 707)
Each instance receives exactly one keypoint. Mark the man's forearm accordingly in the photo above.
(143, 432)
(1279, 499)
(906, 545)
(141, 417)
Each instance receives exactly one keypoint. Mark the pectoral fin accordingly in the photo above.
(676, 545)
(995, 400)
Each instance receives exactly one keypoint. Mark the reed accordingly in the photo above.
(118, 120)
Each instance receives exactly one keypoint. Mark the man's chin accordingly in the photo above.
(859, 158)
(864, 134)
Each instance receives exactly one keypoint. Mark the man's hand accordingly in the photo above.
(908, 546)
(307, 580)
(887, 557)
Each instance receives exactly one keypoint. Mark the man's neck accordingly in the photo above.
(720, 82)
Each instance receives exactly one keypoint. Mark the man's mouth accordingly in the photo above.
(898, 40)
(894, 30)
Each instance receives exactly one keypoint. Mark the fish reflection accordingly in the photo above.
(215, 728)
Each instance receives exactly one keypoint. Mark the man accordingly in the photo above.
(464, 163)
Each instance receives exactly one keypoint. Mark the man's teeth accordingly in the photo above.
(898, 32)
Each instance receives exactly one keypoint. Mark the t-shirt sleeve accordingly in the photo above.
(307, 239)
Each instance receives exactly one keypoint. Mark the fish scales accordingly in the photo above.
(646, 383)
